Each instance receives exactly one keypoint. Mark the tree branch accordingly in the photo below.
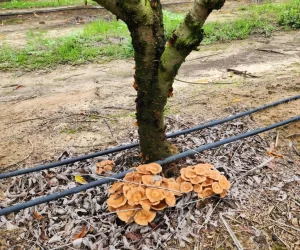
(185, 38)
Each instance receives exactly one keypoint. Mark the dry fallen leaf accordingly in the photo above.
(83, 232)
(37, 216)
(133, 236)
(79, 179)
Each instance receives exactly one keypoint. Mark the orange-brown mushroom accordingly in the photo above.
(155, 194)
(207, 192)
(182, 174)
(198, 188)
(214, 174)
(208, 182)
(116, 200)
(104, 166)
(127, 187)
(174, 187)
(216, 188)
(153, 180)
(160, 206)
(179, 180)
(133, 177)
(126, 213)
(143, 217)
(153, 168)
(223, 194)
(170, 198)
(201, 169)
(111, 209)
(142, 169)
(146, 204)
(224, 183)
(186, 187)
(198, 179)
(135, 195)
(116, 187)
(189, 173)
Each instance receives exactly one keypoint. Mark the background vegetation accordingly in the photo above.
(105, 40)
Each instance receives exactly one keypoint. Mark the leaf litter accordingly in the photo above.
(262, 207)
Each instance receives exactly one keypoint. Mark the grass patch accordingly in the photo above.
(102, 40)
(21, 4)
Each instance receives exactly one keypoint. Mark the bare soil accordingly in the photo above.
(81, 109)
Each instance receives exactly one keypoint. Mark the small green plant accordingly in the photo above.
(291, 15)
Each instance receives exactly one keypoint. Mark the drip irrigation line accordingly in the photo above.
(58, 195)
(130, 146)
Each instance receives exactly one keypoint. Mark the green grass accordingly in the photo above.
(106, 40)
(23, 4)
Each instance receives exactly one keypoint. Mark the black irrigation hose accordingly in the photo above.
(99, 182)
(129, 146)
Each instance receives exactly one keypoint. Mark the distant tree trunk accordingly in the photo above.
(157, 62)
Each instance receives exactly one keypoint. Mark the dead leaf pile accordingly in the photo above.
(265, 193)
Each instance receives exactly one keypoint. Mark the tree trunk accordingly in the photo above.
(149, 42)
(157, 62)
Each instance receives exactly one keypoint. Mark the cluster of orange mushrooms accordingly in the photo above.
(143, 192)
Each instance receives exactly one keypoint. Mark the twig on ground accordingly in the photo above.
(271, 51)
(243, 73)
(201, 57)
(280, 223)
(231, 233)
(179, 80)
(283, 242)
(122, 108)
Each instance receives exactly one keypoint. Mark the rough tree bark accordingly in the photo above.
(157, 62)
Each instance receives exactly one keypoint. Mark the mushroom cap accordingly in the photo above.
(111, 209)
(126, 213)
(153, 168)
(142, 169)
(182, 174)
(224, 193)
(153, 180)
(174, 187)
(104, 163)
(214, 174)
(135, 195)
(146, 204)
(115, 187)
(186, 187)
(189, 173)
(170, 198)
(116, 200)
(198, 179)
(133, 177)
(104, 166)
(198, 188)
(217, 188)
(208, 182)
(201, 169)
(179, 180)
(224, 183)
(160, 206)
(143, 217)
(155, 194)
(127, 187)
(206, 193)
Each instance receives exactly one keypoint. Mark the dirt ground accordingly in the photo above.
(76, 109)
(90, 107)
